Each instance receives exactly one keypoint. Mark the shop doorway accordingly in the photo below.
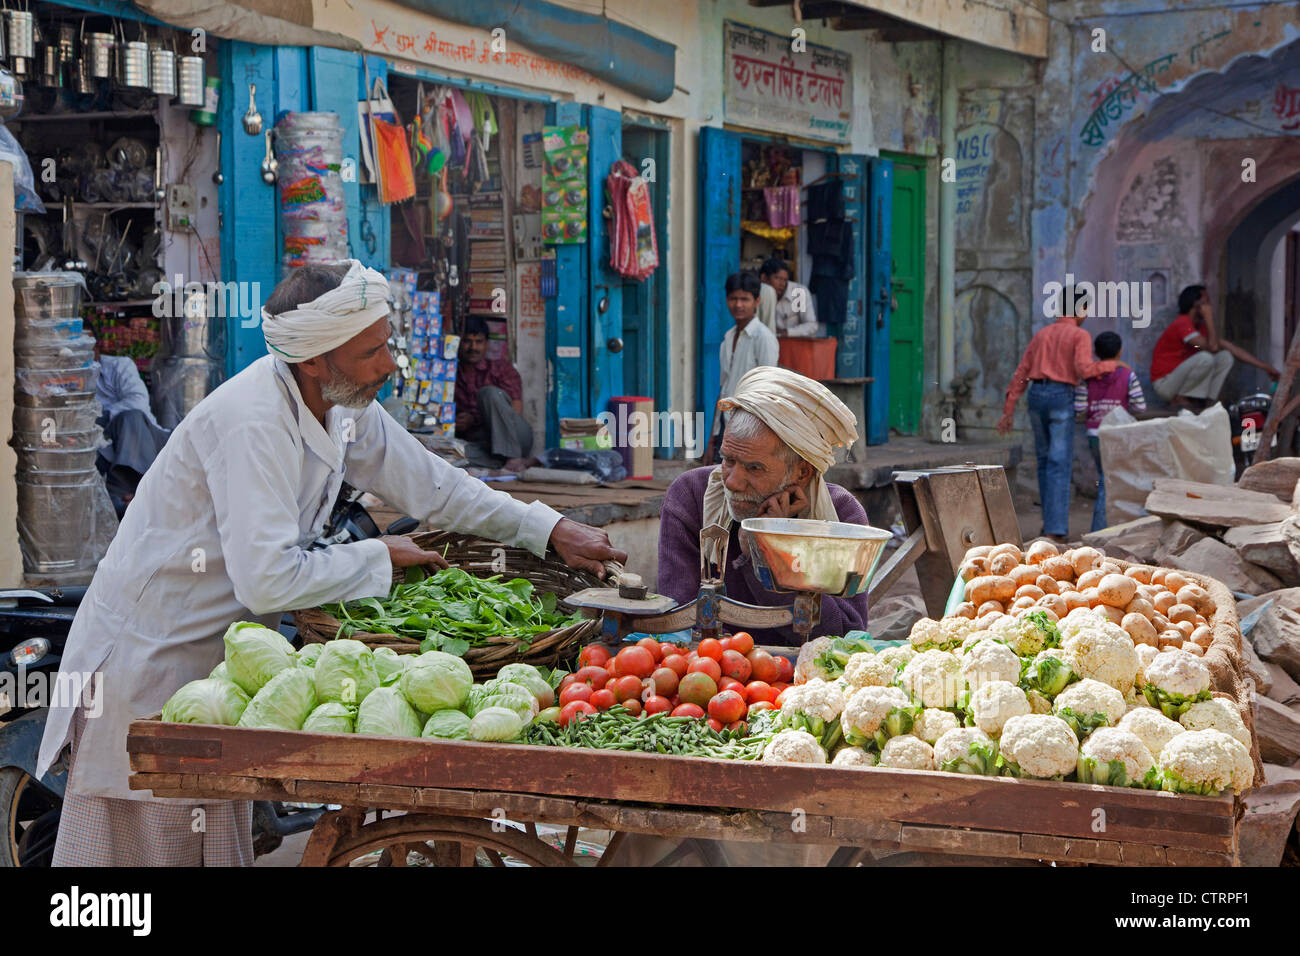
(907, 287)
(645, 304)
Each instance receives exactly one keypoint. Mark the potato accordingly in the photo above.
(1003, 564)
(1187, 627)
(1164, 601)
(1006, 548)
(971, 570)
(1059, 568)
(1148, 591)
(1032, 591)
(1140, 629)
(1161, 622)
(988, 607)
(1040, 551)
(984, 621)
(1117, 590)
(1090, 579)
(980, 551)
(1023, 574)
(1020, 604)
(964, 609)
(1140, 605)
(1055, 605)
(1170, 639)
(1113, 614)
(990, 587)
(1084, 559)
(1091, 597)
(1047, 584)
(1140, 573)
(1110, 567)
(1175, 581)
(1203, 636)
(1198, 598)
(1194, 649)
(1182, 612)
(1051, 613)
(1158, 576)
(1074, 599)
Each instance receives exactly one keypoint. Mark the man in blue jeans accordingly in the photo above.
(1059, 356)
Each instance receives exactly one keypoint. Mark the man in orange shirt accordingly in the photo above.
(1057, 358)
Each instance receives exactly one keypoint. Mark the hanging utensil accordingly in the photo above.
(217, 177)
(98, 51)
(269, 164)
(162, 71)
(20, 27)
(191, 82)
(132, 62)
(253, 119)
(159, 194)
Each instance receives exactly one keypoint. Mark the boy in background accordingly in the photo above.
(1094, 398)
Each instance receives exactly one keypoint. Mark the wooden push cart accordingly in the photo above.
(456, 801)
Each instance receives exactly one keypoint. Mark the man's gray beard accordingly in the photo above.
(339, 391)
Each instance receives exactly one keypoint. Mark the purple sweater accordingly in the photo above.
(679, 561)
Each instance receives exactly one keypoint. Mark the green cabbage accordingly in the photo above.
(436, 681)
(386, 712)
(207, 701)
(255, 654)
(495, 723)
(331, 717)
(527, 676)
(389, 665)
(309, 654)
(222, 672)
(345, 672)
(499, 693)
(284, 703)
(447, 724)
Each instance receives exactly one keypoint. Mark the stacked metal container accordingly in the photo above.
(313, 208)
(191, 361)
(65, 517)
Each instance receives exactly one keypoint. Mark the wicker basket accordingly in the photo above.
(480, 558)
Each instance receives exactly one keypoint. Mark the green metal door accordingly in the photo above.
(907, 353)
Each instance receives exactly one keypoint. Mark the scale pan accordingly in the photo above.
(829, 557)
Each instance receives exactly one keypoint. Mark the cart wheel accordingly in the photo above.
(425, 839)
(30, 814)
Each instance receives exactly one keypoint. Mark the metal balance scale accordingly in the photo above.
(809, 558)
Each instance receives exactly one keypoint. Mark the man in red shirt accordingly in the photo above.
(1190, 362)
(1057, 358)
(489, 402)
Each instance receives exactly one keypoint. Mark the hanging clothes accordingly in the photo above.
(782, 206)
(633, 249)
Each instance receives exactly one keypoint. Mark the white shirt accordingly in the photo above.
(119, 387)
(757, 346)
(767, 305)
(218, 533)
(796, 321)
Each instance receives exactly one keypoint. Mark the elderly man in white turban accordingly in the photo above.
(221, 530)
(780, 439)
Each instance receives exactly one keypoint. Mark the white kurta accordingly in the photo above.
(218, 532)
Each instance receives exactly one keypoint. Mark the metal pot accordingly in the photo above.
(83, 81)
(133, 64)
(67, 42)
(191, 81)
(98, 52)
(162, 71)
(20, 31)
(46, 295)
(51, 66)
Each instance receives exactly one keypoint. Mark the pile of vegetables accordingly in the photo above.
(343, 687)
(453, 610)
(619, 728)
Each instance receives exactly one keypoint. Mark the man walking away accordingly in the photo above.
(1057, 357)
(1095, 398)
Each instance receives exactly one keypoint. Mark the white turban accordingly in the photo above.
(329, 320)
(806, 416)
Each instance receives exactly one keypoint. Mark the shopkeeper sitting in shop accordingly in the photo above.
(793, 312)
(780, 439)
(134, 435)
(489, 404)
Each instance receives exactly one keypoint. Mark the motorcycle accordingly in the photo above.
(34, 626)
(1246, 418)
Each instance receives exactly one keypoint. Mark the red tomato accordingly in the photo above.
(611, 667)
(780, 686)
(786, 674)
(636, 661)
(566, 680)
(713, 722)
(593, 655)
(593, 677)
(575, 691)
(627, 688)
(742, 642)
(678, 664)
(757, 690)
(651, 645)
(725, 643)
(780, 697)
(706, 665)
(710, 647)
(657, 704)
(739, 725)
(667, 650)
(697, 688)
(727, 706)
(730, 683)
(675, 700)
(688, 710)
(692, 657)
(575, 710)
(632, 706)
(763, 666)
(734, 665)
(602, 699)
(759, 705)
(665, 681)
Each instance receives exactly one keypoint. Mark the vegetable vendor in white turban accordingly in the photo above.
(781, 438)
(222, 530)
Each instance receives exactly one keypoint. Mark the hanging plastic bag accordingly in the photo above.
(379, 107)
(633, 250)
(25, 198)
(393, 157)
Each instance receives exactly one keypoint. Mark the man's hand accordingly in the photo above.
(789, 502)
(405, 553)
(1273, 373)
(1005, 423)
(583, 547)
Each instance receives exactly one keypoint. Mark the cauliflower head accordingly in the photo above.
(932, 724)
(854, 757)
(813, 707)
(997, 702)
(1027, 634)
(1146, 654)
(955, 630)
(1104, 653)
(1080, 619)
(869, 670)
(1150, 726)
(1049, 673)
(876, 714)
(793, 746)
(907, 752)
(926, 634)
(1089, 704)
(990, 661)
(1039, 746)
(1038, 703)
(967, 750)
(898, 656)
(1216, 714)
(1205, 762)
(806, 667)
(1117, 758)
(934, 679)
(1175, 680)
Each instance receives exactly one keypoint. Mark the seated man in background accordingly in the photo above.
(134, 435)
(489, 403)
(1190, 361)
(780, 439)
(794, 312)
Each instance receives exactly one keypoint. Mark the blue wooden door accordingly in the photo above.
(850, 355)
(567, 338)
(605, 364)
(719, 245)
(880, 175)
